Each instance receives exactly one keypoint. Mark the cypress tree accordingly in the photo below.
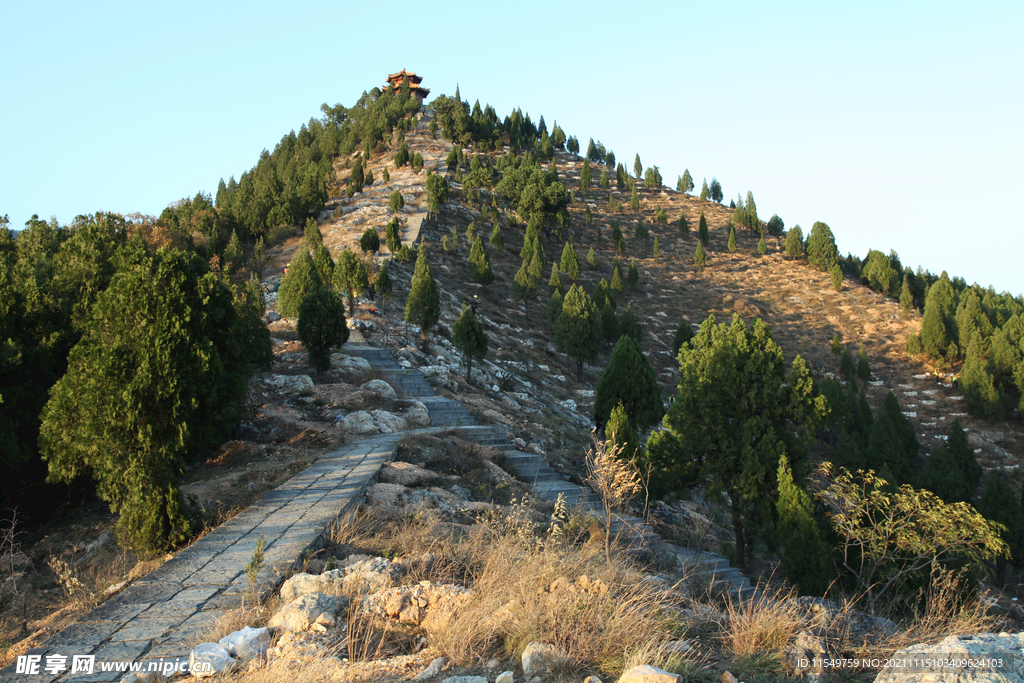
(605, 182)
(938, 326)
(554, 309)
(906, 296)
(585, 176)
(609, 323)
(391, 235)
(684, 227)
(629, 325)
(537, 262)
(356, 177)
(384, 285)
(863, 369)
(554, 282)
(578, 332)
(846, 367)
(705, 193)
(423, 307)
(629, 380)
(978, 385)
(762, 245)
(469, 338)
(497, 240)
(634, 200)
(603, 295)
(385, 177)
(836, 274)
(481, 262)
(592, 258)
(638, 168)
(904, 428)
(702, 231)
(301, 279)
(369, 242)
(471, 234)
(350, 277)
(524, 285)
(233, 253)
(402, 155)
(632, 275)
(821, 247)
(685, 183)
(324, 264)
(322, 326)
(684, 333)
(617, 284)
(312, 237)
(999, 504)
(699, 257)
(803, 554)
(657, 249)
(620, 432)
(837, 348)
(570, 263)
(368, 177)
(952, 471)
(731, 246)
(794, 242)
(396, 202)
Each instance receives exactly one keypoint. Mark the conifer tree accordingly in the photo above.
(702, 231)
(640, 231)
(554, 309)
(570, 262)
(978, 385)
(481, 262)
(355, 178)
(863, 369)
(821, 247)
(605, 183)
(731, 245)
(469, 338)
(592, 259)
(656, 249)
(699, 257)
(524, 285)
(616, 232)
(632, 275)
(629, 325)
(620, 433)
(554, 282)
(312, 237)
(705, 193)
(684, 227)
(794, 242)
(716, 190)
(368, 177)
(396, 202)
(391, 238)
(617, 284)
(384, 285)
(324, 264)
(402, 155)
(803, 554)
(350, 277)
(385, 177)
(423, 307)
(836, 275)
(585, 176)
(938, 326)
(233, 255)
(629, 380)
(685, 183)
(609, 323)
(471, 233)
(322, 326)
(301, 279)
(684, 333)
(846, 368)
(638, 168)
(634, 200)
(578, 332)
(837, 348)
(999, 504)
(952, 471)
(369, 242)
(259, 258)
(762, 245)
(906, 296)
(497, 240)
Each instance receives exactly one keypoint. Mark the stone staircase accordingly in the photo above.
(707, 569)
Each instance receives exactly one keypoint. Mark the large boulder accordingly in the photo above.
(359, 422)
(540, 658)
(368, 576)
(993, 658)
(646, 673)
(404, 473)
(289, 384)
(379, 387)
(385, 495)
(302, 612)
(299, 585)
(386, 422)
(349, 366)
(416, 415)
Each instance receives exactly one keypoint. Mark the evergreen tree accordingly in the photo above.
(524, 285)
(497, 240)
(578, 332)
(301, 279)
(846, 367)
(385, 177)
(978, 385)
(775, 225)
(368, 177)
(423, 307)
(605, 182)
(313, 238)
(592, 259)
(609, 323)
(570, 263)
(938, 326)
(632, 275)
(324, 264)
(836, 275)
(634, 200)
(863, 369)
(804, 556)
(702, 231)
(999, 504)
(481, 263)
(391, 235)
(350, 277)
(952, 472)
(617, 285)
(794, 242)
(731, 246)
(585, 176)
(684, 227)
(904, 428)
(384, 285)
(699, 257)
(259, 259)
(684, 333)
(233, 255)
(762, 245)
(640, 231)
(906, 296)
(554, 309)
(629, 325)
(685, 183)
(616, 232)
(837, 347)
(821, 247)
(554, 282)
(369, 242)
(620, 433)
(705, 193)
(629, 380)
(604, 296)
(417, 162)
(638, 168)
(402, 155)
(656, 252)
(396, 202)
(716, 190)
(322, 326)
(356, 178)
(469, 338)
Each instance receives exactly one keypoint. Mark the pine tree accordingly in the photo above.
(702, 231)
(716, 190)
(368, 177)
(836, 274)
(350, 277)
(423, 307)
(259, 258)
(952, 471)
(821, 247)
(233, 254)
(762, 245)
(863, 369)
(685, 183)
(629, 325)
(554, 282)
(684, 333)
(906, 296)
(640, 231)
(705, 193)
(803, 554)
(634, 200)
(978, 385)
(301, 279)
(847, 370)
(837, 347)
(938, 326)
(391, 235)
(524, 285)
(699, 257)
(684, 227)
(385, 177)
(322, 326)
(638, 168)
(632, 275)
(999, 504)
(592, 259)
(731, 245)
(402, 155)
(369, 242)
(324, 264)
(578, 332)
(794, 242)
(605, 182)
(469, 338)
(656, 249)
(481, 263)
(312, 237)
(609, 323)
(617, 285)
(620, 433)
(356, 176)
(629, 380)
(585, 176)
(554, 309)
(396, 202)
(384, 285)
(497, 240)
(570, 263)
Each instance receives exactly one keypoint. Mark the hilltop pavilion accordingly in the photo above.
(415, 89)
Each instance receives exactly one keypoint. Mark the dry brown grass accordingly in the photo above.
(254, 616)
(764, 624)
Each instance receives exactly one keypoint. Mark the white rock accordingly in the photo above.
(349, 365)
(465, 679)
(385, 495)
(1004, 648)
(404, 473)
(646, 673)
(386, 422)
(560, 378)
(301, 613)
(505, 677)
(379, 386)
(209, 659)
(289, 384)
(568, 403)
(368, 576)
(297, 586)
(433, 669)
(359, 422)
(539, 658)
(249, 643)
(416, 415)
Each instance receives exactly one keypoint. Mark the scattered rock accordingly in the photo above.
(987, 648)
(386, 422)
(289, 384)
(433, 669)
(209, 659)
(505, 677)
(301, 613)
(646, 673)
(465, 679)
(385, 495)
(539, 658)
(806, 654)
(368, 576)
(416, 415)
(379, 386)
(359, 422)
(404, 473)
(728, 678)
(299, 585)
(349, 365)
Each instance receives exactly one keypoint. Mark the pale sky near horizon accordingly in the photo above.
(899, 125)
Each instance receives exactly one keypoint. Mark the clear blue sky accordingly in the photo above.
(899, 125)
